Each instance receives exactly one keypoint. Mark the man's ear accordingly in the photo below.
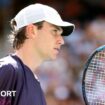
(31, 31)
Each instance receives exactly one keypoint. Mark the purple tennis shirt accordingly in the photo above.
(18, 85)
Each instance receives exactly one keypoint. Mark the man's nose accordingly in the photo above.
(61, 40)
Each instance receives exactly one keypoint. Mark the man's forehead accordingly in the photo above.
(54, 26)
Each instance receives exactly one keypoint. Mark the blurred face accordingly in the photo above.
(48, 41)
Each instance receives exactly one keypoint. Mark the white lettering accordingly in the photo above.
(14, 93)
(3, 93)
(8, 93)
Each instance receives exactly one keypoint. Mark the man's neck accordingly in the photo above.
(29, 59)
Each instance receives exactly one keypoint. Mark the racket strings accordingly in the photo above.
(95, 80)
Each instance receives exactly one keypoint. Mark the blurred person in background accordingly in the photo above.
(4, 7)
(37, 36)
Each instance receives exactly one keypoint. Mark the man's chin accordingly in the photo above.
(52, 58)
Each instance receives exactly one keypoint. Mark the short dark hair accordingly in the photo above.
(17, 38)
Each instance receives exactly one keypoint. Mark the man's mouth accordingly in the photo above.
(57, 49)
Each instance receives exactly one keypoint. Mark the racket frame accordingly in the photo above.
(85, 70)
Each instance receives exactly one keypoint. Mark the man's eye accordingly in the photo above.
(55, 30)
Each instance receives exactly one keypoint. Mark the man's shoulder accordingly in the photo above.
(7, 62)
(9, 67)
(7, 71)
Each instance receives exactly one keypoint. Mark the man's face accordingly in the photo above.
(48, 41)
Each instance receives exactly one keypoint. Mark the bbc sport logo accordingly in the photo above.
(8, 93)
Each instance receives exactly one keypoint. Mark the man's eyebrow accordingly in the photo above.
(57, 27)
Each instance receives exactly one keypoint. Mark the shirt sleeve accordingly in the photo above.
(7, 83)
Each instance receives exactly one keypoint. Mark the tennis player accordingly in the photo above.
(37, 36)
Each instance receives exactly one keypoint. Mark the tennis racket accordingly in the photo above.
(93, 81)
